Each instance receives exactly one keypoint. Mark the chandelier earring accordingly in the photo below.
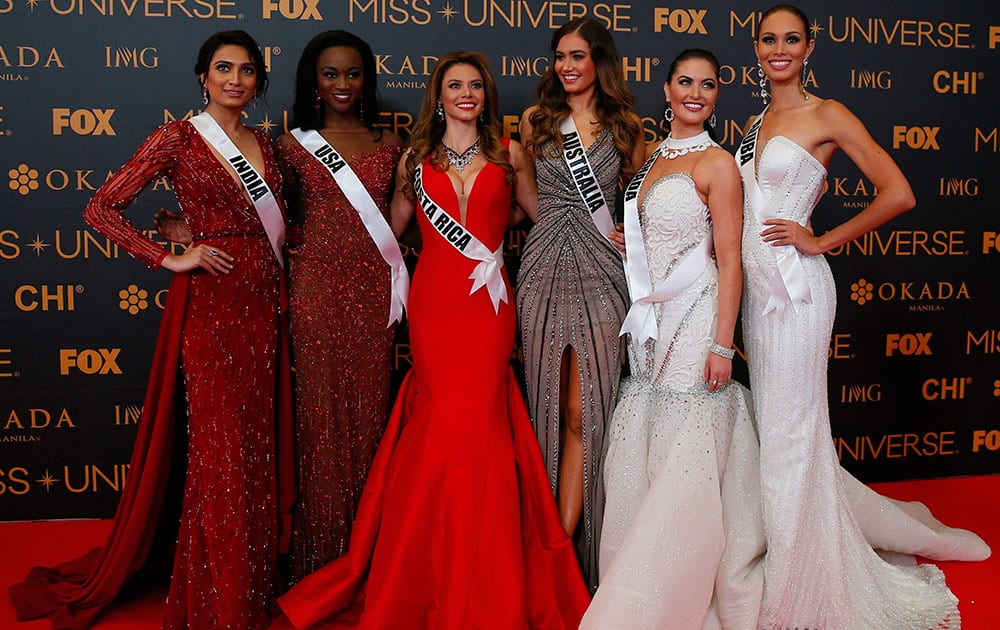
(805, 73)
(361, 110)
(711, 120)
(668, 113)
(439, 110)
(763, 83)
(204, 95)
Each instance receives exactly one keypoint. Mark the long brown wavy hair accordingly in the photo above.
(614, 100)
(429, 129)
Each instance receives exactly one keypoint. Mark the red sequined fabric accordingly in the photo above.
(226, 547)
(342, 345)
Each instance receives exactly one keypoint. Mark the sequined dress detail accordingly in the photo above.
(681, 545)
(820, 571)
(571, 292)
(228, 336)
(456, 528)
(339, 308)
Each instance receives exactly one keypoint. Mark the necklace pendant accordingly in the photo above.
(463, 159)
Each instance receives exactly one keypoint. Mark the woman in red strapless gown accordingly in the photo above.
(457, 527)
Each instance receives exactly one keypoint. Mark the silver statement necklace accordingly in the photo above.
(463, 159)
(675, 148)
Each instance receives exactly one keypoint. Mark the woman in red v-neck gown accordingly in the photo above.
(456, 527)
(219, 347)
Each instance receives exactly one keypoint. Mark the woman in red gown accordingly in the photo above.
(219, 343)
(341, 293)
(456, 527)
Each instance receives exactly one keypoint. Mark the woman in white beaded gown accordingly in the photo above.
(681, 538)
(819, 571)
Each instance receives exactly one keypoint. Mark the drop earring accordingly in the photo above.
(805, 65)
(204, 95)
(668, 113)
(712, 121)
(763, 83)
(439, 110)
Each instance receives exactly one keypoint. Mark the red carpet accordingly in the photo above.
(970, 502)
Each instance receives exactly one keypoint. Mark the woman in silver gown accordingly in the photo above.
(571, 295)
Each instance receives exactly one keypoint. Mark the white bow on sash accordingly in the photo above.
(371, 217)
(488, 272)
(789, 284)
(640, 321)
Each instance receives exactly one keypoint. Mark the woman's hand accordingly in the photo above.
(718, 371)
(172, 227)
(617, 237)
(785, 232)
(210, 258)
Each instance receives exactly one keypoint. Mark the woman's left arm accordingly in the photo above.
(724, 193)
(525, 187)
(895, 196)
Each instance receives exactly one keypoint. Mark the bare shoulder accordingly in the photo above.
(718, 159)
(831, 111)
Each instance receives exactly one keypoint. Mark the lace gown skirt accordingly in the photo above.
(681, 541)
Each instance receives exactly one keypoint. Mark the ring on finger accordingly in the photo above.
(212, 252)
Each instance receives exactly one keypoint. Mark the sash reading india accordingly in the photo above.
(263, 199)
(583, 176)
(488, 272)
(640, 321)
(789, 284)
(368, 211)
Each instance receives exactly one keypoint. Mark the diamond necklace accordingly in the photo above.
(461, 160)
(673, 148)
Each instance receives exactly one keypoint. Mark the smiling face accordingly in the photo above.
(231, 79)
(692, 92)
(574, 65)
(340, 78)
(782, 45)
(462, 92)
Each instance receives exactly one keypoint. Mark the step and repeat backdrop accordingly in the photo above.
(914, 371)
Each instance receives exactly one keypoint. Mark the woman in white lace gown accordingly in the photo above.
(820, 572)
(681, 536)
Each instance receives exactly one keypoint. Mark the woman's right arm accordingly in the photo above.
(105, 212)
(402, 207)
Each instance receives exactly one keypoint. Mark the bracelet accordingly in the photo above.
(722, 351)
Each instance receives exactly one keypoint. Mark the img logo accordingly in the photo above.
(871, 79)
(121, 57)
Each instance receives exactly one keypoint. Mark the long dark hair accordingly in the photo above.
(695, 53)
(614, 100)
(429, 129)
(233, 38)
(304, 111)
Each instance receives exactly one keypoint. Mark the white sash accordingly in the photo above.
(488, 272)
(371, 217)
(789, 284)
(263, 199)
(641, 318)
(583, 176)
